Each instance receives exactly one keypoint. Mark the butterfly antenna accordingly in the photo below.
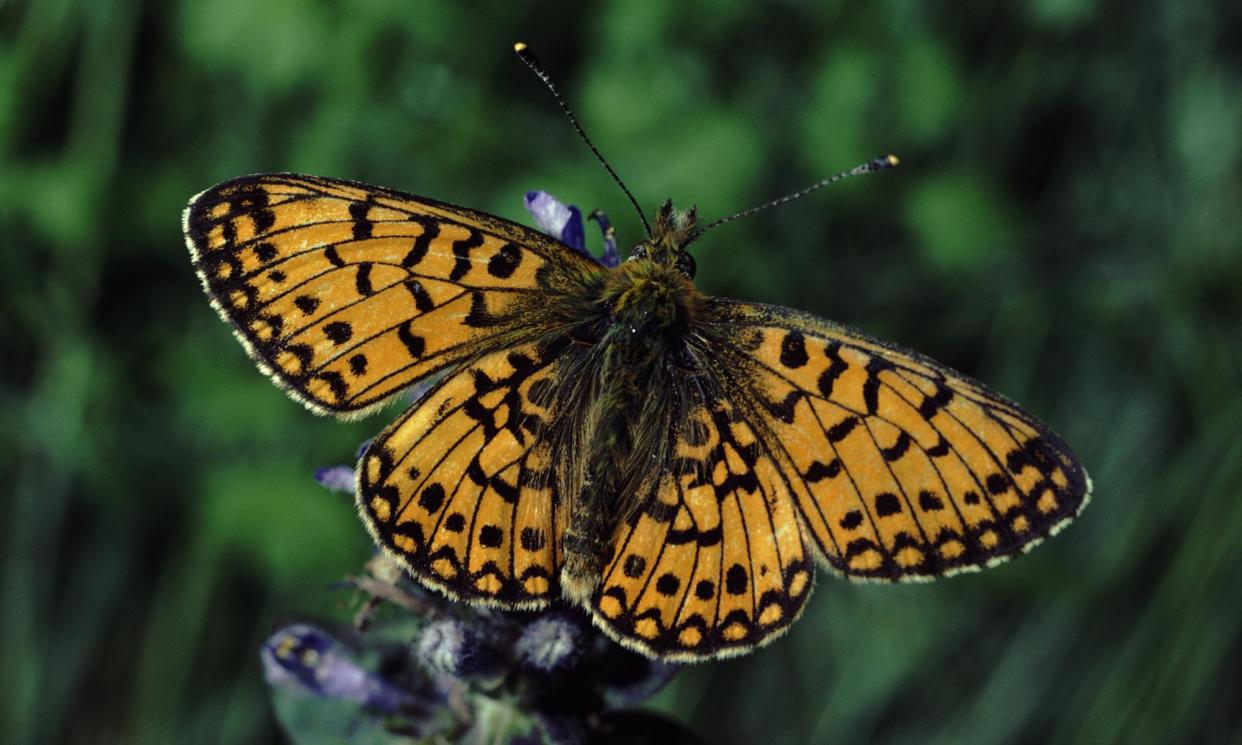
(879, 164)
(528, 57)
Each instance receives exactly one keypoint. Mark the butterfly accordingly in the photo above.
(675, 463)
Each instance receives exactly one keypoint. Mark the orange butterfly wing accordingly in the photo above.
(714, 562)
(464, 489)
(902, 469)
(796, 436)
(346, 293)
(797, 433)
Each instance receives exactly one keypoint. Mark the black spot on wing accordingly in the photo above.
(818, 471)
(265, 251)
(532, 539)
(836, 366)
(491, 536)
(668, 584)
(362, 226)
(842, 429)
(421, 244)
(505, 262)
(336, 383)
(461, 255)
(263, 220)
(338, 332)
(422, 299)
(432, 497)
(306, 303)
(479, 316)
(362, 279)
(930, 502)
(886, 504)
(784, 409)
(414, 344)
(940, 449)
(898, 448)
(936, 402)
(709, 537)
(334, 258)
(506, 491)
(736, 580)
(793, 350)
(871, 387)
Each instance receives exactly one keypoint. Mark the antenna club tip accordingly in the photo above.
(520, 46)
(892, 160)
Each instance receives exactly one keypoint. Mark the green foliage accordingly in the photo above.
(1065, 225)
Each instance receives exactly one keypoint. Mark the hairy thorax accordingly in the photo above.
(649, 301)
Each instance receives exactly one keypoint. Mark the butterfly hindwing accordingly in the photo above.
(346, 293)
(713, 563)
(462, 489)
(901, 468)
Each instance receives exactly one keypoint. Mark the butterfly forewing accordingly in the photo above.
(901, 468)
(713, 563)
(347, 293)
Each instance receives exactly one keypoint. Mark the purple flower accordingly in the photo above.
(564, 223)
(305, 658)
(336, 478)
(340, 478)
(557, 219)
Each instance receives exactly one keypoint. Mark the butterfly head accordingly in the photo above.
(653, 291)
(671, 234)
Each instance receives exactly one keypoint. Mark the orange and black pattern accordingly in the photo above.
(346, 294)
(901, 468)
(463, 487)
(714, 562)
(675, 463)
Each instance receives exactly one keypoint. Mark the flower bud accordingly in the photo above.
(336, 478)
(449, 647)
(549, 643)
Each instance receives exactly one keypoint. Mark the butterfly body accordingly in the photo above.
(674, 463)
(638, 330)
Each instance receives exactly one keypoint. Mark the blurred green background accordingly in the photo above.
(1066, 226)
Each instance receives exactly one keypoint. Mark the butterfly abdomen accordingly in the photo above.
(649, 308)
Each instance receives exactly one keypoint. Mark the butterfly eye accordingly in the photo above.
(686, 265)
(638, 252)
